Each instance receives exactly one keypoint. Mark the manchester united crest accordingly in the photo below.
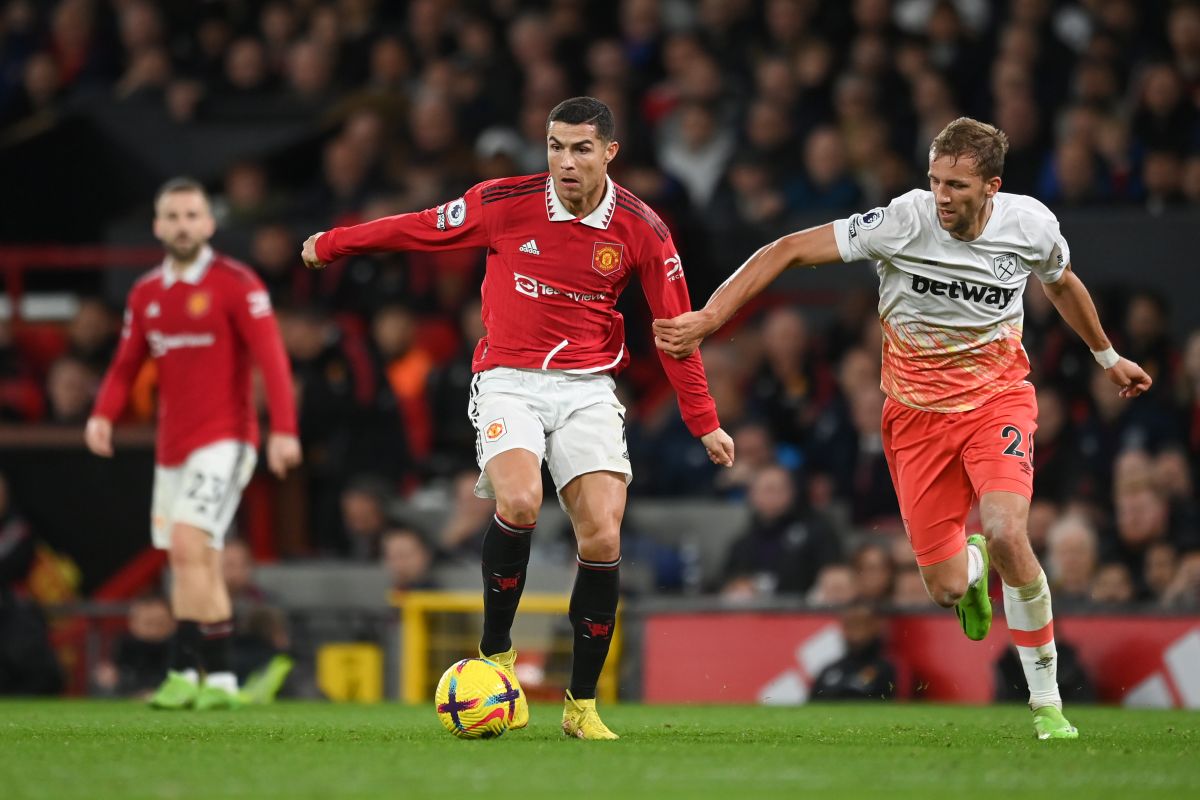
(495, 430)
(606, 257)
(198, 303)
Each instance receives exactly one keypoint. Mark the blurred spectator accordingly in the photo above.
(1184, 590)
(1162, 173)
(694, 148)
(407, 558)
(1147, 329)
(448, 385)
(71, 387)
(1056, 468)
(92, 333)
(407, 366)
(1164, 118)
(1143, 519)
(874, 571)
(1158, 570)
(1113, 586)
(1072, 552)
(791, 385)
(348, 419)
(364, 517)
(834, 586)
(785, 546)
(826, 184)
(864, 672)
(462, 532)
(755, 451)
(142, 654)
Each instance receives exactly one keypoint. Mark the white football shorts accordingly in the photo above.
(572, 422)
(203, 491)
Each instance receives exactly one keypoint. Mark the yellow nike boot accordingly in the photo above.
(581, 720)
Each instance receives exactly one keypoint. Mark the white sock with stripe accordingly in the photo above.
(1031, 624)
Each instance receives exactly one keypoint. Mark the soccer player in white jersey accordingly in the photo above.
(960, 415)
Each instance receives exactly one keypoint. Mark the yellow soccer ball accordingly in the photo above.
(475, 699)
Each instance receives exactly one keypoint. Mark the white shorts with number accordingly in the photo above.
(203, 491)
(573, 422)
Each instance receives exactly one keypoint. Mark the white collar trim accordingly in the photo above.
(599, 218)
(192, 275)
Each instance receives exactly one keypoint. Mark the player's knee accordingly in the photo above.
(1004, 534)
(947, 592)
(601, 545)
(520, 507)
(187, 551)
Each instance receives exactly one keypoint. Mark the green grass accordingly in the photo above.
(65, 749)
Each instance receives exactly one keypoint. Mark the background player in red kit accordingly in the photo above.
(561, 248)
(203, 318)
(960, 416)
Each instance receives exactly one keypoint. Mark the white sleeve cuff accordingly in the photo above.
(841, 233)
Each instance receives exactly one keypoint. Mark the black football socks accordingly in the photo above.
(505, 561)
(593, 615)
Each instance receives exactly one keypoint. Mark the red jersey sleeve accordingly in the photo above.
(666, 291)
(255, 323)
(131, 352)
(454, 225)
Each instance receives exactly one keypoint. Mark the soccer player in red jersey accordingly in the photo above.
(204, 319)
(959, 418)
(561, 248)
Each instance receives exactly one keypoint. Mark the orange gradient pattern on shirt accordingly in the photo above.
(950, 369)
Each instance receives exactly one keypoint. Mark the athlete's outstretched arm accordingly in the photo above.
(455, 225)
(680, 336)
(1071, 298)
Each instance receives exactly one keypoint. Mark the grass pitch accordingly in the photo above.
(77, 749)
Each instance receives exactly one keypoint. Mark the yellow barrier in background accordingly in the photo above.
(351, 672)
(419, 643)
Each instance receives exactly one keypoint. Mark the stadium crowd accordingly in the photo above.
(737, 119)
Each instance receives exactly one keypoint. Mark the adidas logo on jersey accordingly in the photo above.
(531, 248)
(976, 293)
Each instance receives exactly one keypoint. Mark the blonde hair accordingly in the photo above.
(984, 143)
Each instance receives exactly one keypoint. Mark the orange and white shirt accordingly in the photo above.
(951, 311)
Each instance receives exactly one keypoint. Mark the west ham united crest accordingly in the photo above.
(1005, 266)
(606, 257)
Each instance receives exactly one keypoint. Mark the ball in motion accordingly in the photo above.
(475, 699)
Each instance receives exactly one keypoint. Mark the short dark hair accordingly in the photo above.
(585, 111)
(985, 143)
(181, 183)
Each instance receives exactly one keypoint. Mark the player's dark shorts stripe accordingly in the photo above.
(231, 483)
(660, 233)
(495, 190)
(511, 195)
(473, 415)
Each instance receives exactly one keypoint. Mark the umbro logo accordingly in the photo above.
(531, 248)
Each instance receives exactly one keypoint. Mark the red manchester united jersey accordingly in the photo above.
(202, 329)
(552, 281)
